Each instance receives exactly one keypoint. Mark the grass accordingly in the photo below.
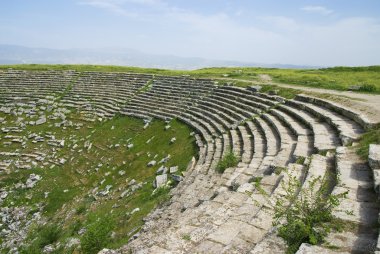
(97, 235)
(186, 237)
(71, 197)
(337, 78)
(44, 235)
(370, 137)
(228, 161)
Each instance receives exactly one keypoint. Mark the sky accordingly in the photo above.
(308, 32)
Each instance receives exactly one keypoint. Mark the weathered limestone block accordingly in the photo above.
(374, 163)
(311, 249)
(160, 180)
(374, 156)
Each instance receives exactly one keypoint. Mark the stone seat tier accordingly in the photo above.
(356, 178)
(348, 129)
(287, 141)
(325, 137)
(357, 117)
(305, 146)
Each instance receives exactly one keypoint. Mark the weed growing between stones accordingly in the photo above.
(97, 235)
(300, 160)
(370, 137)
(228, 161)
(305, 215)
(186, 237)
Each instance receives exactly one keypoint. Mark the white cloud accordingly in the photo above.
(266, 39)
(351, 41)
(317, 9)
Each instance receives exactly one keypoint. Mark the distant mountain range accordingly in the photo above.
(12, 54)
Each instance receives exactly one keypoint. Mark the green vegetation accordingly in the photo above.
(228, 161)
(370, 137)
(304, 215)
(186, 237)
(300, 160)
(97, 235)
(46, 235)
(68, 196)
(366, 79)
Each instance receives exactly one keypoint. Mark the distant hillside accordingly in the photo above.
(12, 54)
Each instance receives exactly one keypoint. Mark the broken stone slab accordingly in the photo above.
(125, 193)
(106, 191)
(151, 163)
(160, 181)
(41, 121)
(172, 140)
(374, 163)
(3, 195)
(354, 88)
(166, 159)
(255, 88)
(149, 140)
(162, 170)
(173, 169)
(374, 156)
(132, 182)
(246, 188)
(306, 248)
(72, 242)
(107, 251)
(135, 210)
(177, 178)
(376, 178)
(32, 180)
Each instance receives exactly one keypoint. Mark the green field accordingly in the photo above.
(337, 78)
(68, 195)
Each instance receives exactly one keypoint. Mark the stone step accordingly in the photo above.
(356, 178)
(341, 110)
(349, 130)
(325, 137)
(272, 140)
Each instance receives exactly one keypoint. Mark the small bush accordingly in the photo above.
(367, 88)
(45, 235)
(229, 160)
(370, 137)
(186, 237)
(97, 235)
(75, 227)
(305, 216)
(80, 209)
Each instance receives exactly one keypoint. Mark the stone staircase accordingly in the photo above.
(225, 213)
